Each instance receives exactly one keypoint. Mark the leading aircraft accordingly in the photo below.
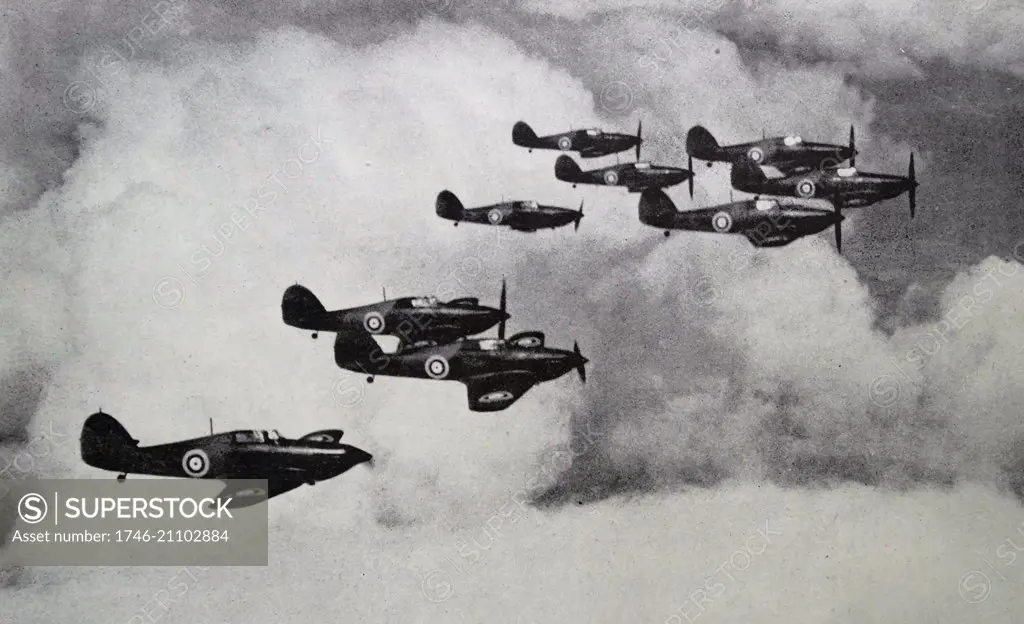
(523, 216)
(635, 176)
(765, 222)
(244, 454)
(847, 185)
(496, 371)
(590, 143)
(789, 154)
(410, 319)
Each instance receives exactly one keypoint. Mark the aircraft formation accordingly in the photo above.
(435, 338)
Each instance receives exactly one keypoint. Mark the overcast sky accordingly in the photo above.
(778, 435)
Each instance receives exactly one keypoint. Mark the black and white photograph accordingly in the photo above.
(512, 311)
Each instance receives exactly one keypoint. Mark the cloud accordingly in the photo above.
(876, 39)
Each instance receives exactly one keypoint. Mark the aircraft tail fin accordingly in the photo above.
(701, 144)
(654, 206)
(744, 172)
(523, 134)
(103, 439)
(299, 306)
(448, 206)
(357, 351)
(566, 169)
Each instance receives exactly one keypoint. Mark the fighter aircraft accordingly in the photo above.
(243, 454)
(590, 143)
(523, 216)
(410, 319)
(789, 154)
(847, 185)
(765, 222)
(635, 176)
(496, 371)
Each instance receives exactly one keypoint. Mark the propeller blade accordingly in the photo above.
(578, 217)
(639, 135)
(502, 305)
(853, 148)
(837, 206)
(689, 165)
(913, 186)
(580, 368)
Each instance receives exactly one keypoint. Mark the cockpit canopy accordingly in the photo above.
(529, 204)
(642, 165)
(257, 436)
(846, 172)
(792, 140)
(766, 204)
(593, 131)
(465, 301)
(424, 302)
(528, 339)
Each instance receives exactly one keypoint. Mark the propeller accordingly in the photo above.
(913, 186)
(639, 135)
(838, 208)
(689, 165)
(853, 148)
(578, 217)
(501, 324)
(580, 368)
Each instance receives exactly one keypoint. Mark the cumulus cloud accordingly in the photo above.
(875, 38)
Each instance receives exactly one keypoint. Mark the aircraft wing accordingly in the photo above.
(243, 495)
(494, 392)
(769, 237)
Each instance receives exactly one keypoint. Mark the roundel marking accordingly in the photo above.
(373, 322)
(529, 341)
(436, 367)
(756, 154)
(494, 216)
(495, 397)
(722, 221)
(805, 188)
(250, 492)
(320, 437)
(611, 177)
(196, 463)
(564, 143)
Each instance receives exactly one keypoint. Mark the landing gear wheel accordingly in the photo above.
(667, 233)
(369, 380)
(315, 335)
(121, 477)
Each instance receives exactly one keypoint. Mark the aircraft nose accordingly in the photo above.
(357, 455)
(497, 316)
